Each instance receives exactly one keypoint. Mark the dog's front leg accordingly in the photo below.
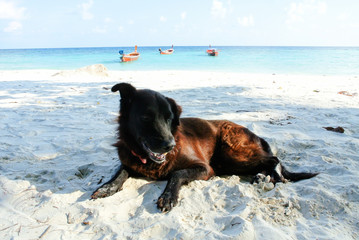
(112, 186)
(169, 198)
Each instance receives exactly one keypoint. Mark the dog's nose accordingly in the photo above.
(168, 145)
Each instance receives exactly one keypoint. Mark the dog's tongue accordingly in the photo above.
(143, 160)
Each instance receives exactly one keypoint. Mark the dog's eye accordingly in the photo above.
(146, 118)
(168, 118)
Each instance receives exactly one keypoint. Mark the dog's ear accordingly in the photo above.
(127, 91)
(176, 110)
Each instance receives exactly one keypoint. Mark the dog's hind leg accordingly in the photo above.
(270, 167)
(112, 186)
(278, 173)
(169, 198)
(243, 152)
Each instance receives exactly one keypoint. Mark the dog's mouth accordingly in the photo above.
(156, 157)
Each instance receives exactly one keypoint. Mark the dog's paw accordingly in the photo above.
(166, 202)
(99, 193)
(264, 182)
(104, 191)
(260, 177)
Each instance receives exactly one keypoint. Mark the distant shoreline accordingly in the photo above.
(112, 73)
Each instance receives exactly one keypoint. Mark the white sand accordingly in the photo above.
(57, 128)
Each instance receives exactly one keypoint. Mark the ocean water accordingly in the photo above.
(272, 60)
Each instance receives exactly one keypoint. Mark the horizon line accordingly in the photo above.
(317, 46)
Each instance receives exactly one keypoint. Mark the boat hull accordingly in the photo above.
(167, 52)
(130, 57)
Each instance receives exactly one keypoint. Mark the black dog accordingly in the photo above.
(155, 142)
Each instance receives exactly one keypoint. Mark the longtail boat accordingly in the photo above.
(167, 52)
(130, 56)
(212, 51)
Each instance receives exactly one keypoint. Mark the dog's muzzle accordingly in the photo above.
(156, 157)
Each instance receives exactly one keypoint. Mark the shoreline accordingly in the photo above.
(176, 71)
(55, 147)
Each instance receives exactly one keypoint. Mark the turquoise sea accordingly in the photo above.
(278, 60)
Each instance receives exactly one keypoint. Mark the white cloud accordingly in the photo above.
(183, 15)
(343, 17)
(163, 19)
(108, 20)
(347, 21)
(246, 21)
(120, 28)
(13, 26)
(153, 30)
(100, 30)
(85, 10)
(299, 11)
(8, 10)
(218, 10)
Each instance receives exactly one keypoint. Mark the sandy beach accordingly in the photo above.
(57, 128)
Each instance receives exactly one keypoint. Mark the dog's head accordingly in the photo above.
(147, 121)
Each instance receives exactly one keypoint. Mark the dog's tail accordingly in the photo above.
(280, 174)
(295, 176)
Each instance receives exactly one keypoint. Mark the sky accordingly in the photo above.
(112, 23)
